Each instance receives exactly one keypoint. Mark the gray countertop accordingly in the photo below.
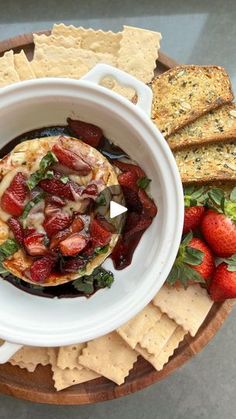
(200, 32)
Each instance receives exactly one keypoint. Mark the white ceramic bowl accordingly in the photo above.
(31, 320)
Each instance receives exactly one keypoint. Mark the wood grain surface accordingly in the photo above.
(38, 386)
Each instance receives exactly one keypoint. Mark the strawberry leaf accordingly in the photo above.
(231, 263)
(189, 274)
(187, 239)
(173, 275)
(216, 195)
(193, 256)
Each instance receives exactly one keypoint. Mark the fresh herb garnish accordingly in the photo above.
(7, 249)
(42, 173)
(101, 200)
(31, 204)
(64, 179)
(100, 278)
(143, 182)
(101, 250)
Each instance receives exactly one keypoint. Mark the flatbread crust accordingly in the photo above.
(25, 157)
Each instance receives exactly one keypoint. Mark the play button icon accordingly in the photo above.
(116, 209)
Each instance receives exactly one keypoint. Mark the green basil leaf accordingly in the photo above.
(84, 285)
(101, 200)
(47, 160)
(8, 248)
(101, 250)
(64, 179)
(143, 182)
(31, 204)
(103, 278)
(3, 271)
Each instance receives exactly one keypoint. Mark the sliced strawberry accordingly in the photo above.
(56, 187)
(127, 167)
(41, 268)
(128, 180)
(17, 229)
(149, 206)
(70, 159)
(91, 190)
(29, 230)
(56, 223)
(77, 225)
(89, 133)
(53, 204)
(72, 265)
(73, 245)
(13, 199)
(101, 232)
(59, 237)
(35, 244)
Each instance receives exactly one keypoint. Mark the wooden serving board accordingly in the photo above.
(38, 386)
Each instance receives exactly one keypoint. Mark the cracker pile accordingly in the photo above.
(155, 333)
(193, 108)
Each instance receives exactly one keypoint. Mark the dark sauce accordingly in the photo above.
(122, 255)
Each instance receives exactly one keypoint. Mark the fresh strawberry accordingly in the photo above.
(223, 284)
(59, 237)
(29, 230)
(194, 201)
(35, 244)
(70, 159)
(91, 190)
(127, 167)
(219, 223)
(89, 133)
(56, 223)
(77, 225)
(56, 187)
(194, 262)
(73, 245)
(53, 204)
(41, 269)
(128, 180)
(17, 229)
(72, 265)
(13, 199)
(149, 206)
(101, 232)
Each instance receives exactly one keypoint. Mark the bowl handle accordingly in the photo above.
(143, 92)
(7, 350)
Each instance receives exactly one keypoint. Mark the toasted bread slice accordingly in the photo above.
(184, 93)
(215, 126)
(213, 162)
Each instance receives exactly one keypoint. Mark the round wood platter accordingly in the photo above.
(38, 386)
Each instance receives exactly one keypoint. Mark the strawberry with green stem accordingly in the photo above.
(194, 201)
(194, 262)
(218, 225)
(223, 284)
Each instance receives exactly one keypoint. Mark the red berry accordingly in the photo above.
(149, 206)
(127, 167)
(56, 187)
(17, 229)
(219, 232)
(41, 268)
(89, 133)
(70, 159)
(101, 232)
(56, 223)
(13, 199)
(35, 244)
(128, 180)
(207, 266)
(73, 245)
(223, 284)
(192, 217)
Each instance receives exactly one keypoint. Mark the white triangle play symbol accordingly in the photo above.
(116, 209)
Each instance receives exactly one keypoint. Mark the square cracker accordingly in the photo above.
(67, 378)
(68, 356)
(157, 337)
(134, 330)
(138, 52)
(158, 361)
(188, 307)
(23, 67)
(73, 68)
(8, 73)
(98, 41)
(30, 357)
(60, 41)
(109, 356)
